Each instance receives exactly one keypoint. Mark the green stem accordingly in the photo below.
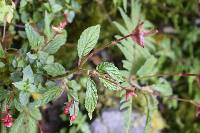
(168, 74)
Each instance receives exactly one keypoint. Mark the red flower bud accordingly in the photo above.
(67, 107)
(66, 110)
(72, 118)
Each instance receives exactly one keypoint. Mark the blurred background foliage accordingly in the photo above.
(176, 46)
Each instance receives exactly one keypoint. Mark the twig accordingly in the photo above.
(102, 48)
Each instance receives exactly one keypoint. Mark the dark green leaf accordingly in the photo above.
(110, 69)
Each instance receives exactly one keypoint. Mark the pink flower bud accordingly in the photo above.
(66, 110)
(72, 118)
(130, 94)
(7, 120)
(138, 34)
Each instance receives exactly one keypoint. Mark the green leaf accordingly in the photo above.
(111, 70)
(24, 97)
(74, 85)
(2, 64)
(18, 106)
(47, 22)
(24, 124)
(6, 12)
(108, 84)
(148, 67)
(163, 87)
(55, 6)
(31, 125)
(125, 5)
(88, 40)
(152, 104)
(17, 126)
(126, 108)
(56, 42)
(35, 40)
(2, 54)
(35, 113)
(25, 86)
(91, 97)
(48, 96)
(54, 69)
(28, 74)
(3, 94)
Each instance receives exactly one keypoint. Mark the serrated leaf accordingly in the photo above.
(25, 86)
(18, 106)
(35, 113)
(88, 40)
(24, 124)
(35, 40)
(163, 87)
(54, 69)
(111, 70)
(24, 97)
(148, 67)
(55, 6)
(91, 97)
(3, 94)
(54, 44)
(47, 22)
(28, 74)
(17, 126)
(126, 108)
(108, 84)
(31, 125)
(152, 104)
(49, 95)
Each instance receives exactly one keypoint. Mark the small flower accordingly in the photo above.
(138, 34)
(7, 120)
(130, 94)
(72, 118)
